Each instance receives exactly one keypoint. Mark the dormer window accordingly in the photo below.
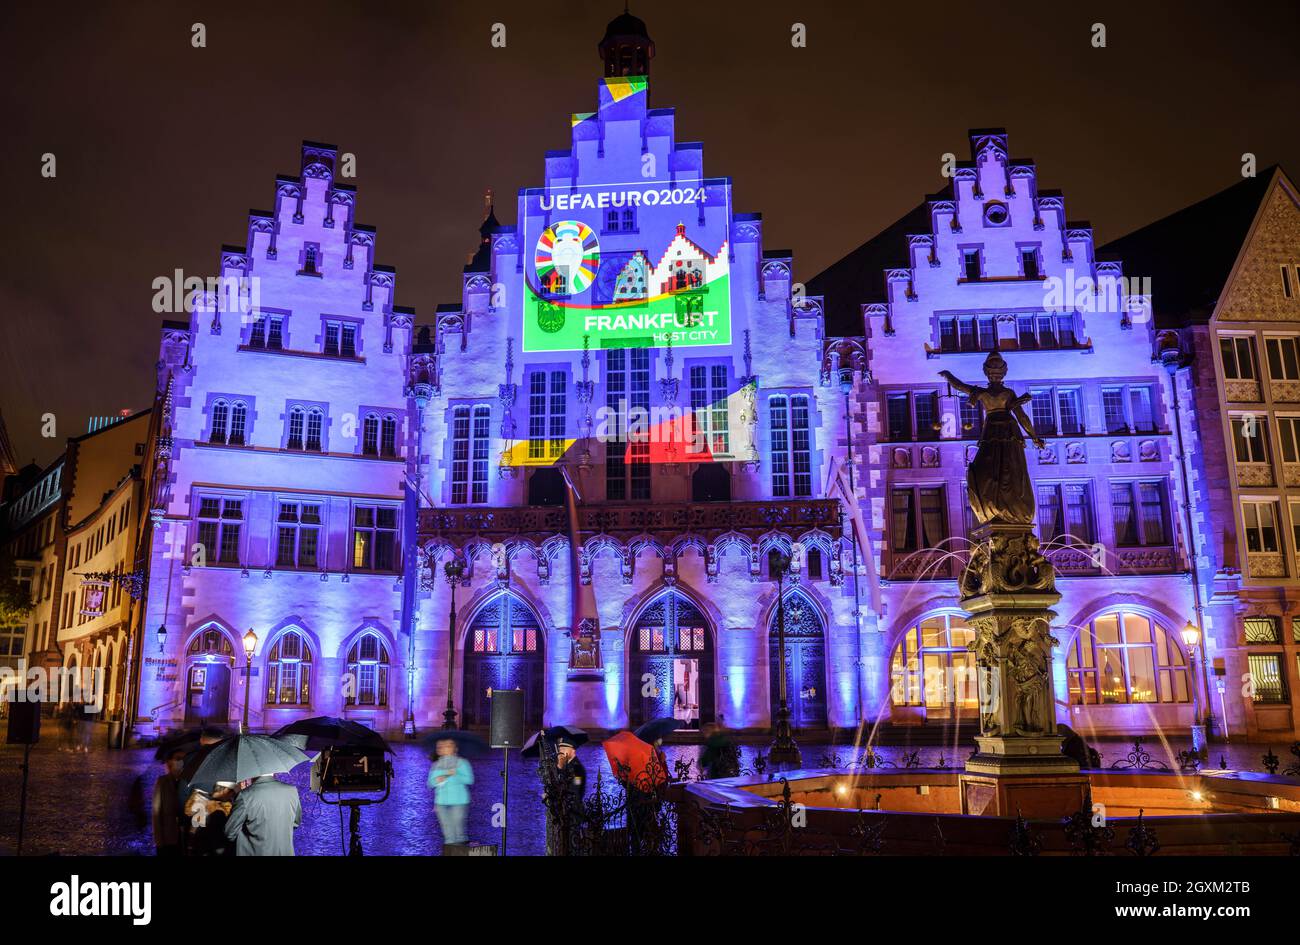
(1029, 263)
(310, 260)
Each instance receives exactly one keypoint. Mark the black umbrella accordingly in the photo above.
(328, 732)
(656, 729)
(242, 758)
(468, 745)
(555, 734)
(187, 741)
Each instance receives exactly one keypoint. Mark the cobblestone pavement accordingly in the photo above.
(78, 797)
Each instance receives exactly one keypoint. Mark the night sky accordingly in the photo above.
(162, 148)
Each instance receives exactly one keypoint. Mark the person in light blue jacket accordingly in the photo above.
(450, 778)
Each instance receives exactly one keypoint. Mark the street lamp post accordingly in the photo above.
(250, 644)
(453, 569)
(784, 752)
(1191, 635)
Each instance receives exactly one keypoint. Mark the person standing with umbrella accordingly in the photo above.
(450, 779)
(265, 814)
(266, 811)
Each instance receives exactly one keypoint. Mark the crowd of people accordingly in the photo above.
(258, 816)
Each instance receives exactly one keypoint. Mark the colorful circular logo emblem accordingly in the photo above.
(567, 257)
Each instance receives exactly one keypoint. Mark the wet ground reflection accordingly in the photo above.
(78, 802)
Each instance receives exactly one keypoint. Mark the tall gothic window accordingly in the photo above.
(220, 418)
(288, 671)
(627, 399)
(470, 431)
(790, 445)
(370, 435)
(293, 439)
(368, 667)
(238, 423)
(709, 407)
(388, 436)
(547, 412)
(306, 429)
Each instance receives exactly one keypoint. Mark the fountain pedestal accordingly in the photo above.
(1009, 590)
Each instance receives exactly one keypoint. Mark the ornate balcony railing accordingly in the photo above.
(664, 522)
(625, 530)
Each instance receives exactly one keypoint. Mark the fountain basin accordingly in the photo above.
(917, 811)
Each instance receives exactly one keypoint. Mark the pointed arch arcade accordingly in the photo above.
(804, 661)
(504, 648)
(670, 643)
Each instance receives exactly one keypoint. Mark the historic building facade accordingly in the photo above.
(571, 480)
(73, 537)
(991, 263)
(278, 477)
(630, 312)
(1226, 281)
(33, 533)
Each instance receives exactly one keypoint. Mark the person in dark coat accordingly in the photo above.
(720, 757)
(167, 829)
(564, 810)
(265, 814)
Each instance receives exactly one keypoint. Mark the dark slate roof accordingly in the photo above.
(625, 24)
(1189, 254)
(859, 277)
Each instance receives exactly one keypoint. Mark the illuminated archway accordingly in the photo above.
(505, 648)
(1126, 656)
(932, 668)
(804, 661)
(670, 662)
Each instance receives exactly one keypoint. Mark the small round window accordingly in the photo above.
(996, 214)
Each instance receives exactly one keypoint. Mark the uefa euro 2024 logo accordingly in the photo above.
(567, 258)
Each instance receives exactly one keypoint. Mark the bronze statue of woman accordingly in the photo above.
(998, 478)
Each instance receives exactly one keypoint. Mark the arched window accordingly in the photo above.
(388, 440)
(368, 667)
(1126, 657)
(315, 426)
(238, 423)
(212, 642)
(931, 666)
(288, 671)
(296, 419)
(370, 435)
(220, 413)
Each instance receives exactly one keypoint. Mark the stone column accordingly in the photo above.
(1009, 588)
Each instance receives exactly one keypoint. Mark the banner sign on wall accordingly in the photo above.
(627, 266)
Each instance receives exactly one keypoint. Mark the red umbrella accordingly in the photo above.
(635, 760)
